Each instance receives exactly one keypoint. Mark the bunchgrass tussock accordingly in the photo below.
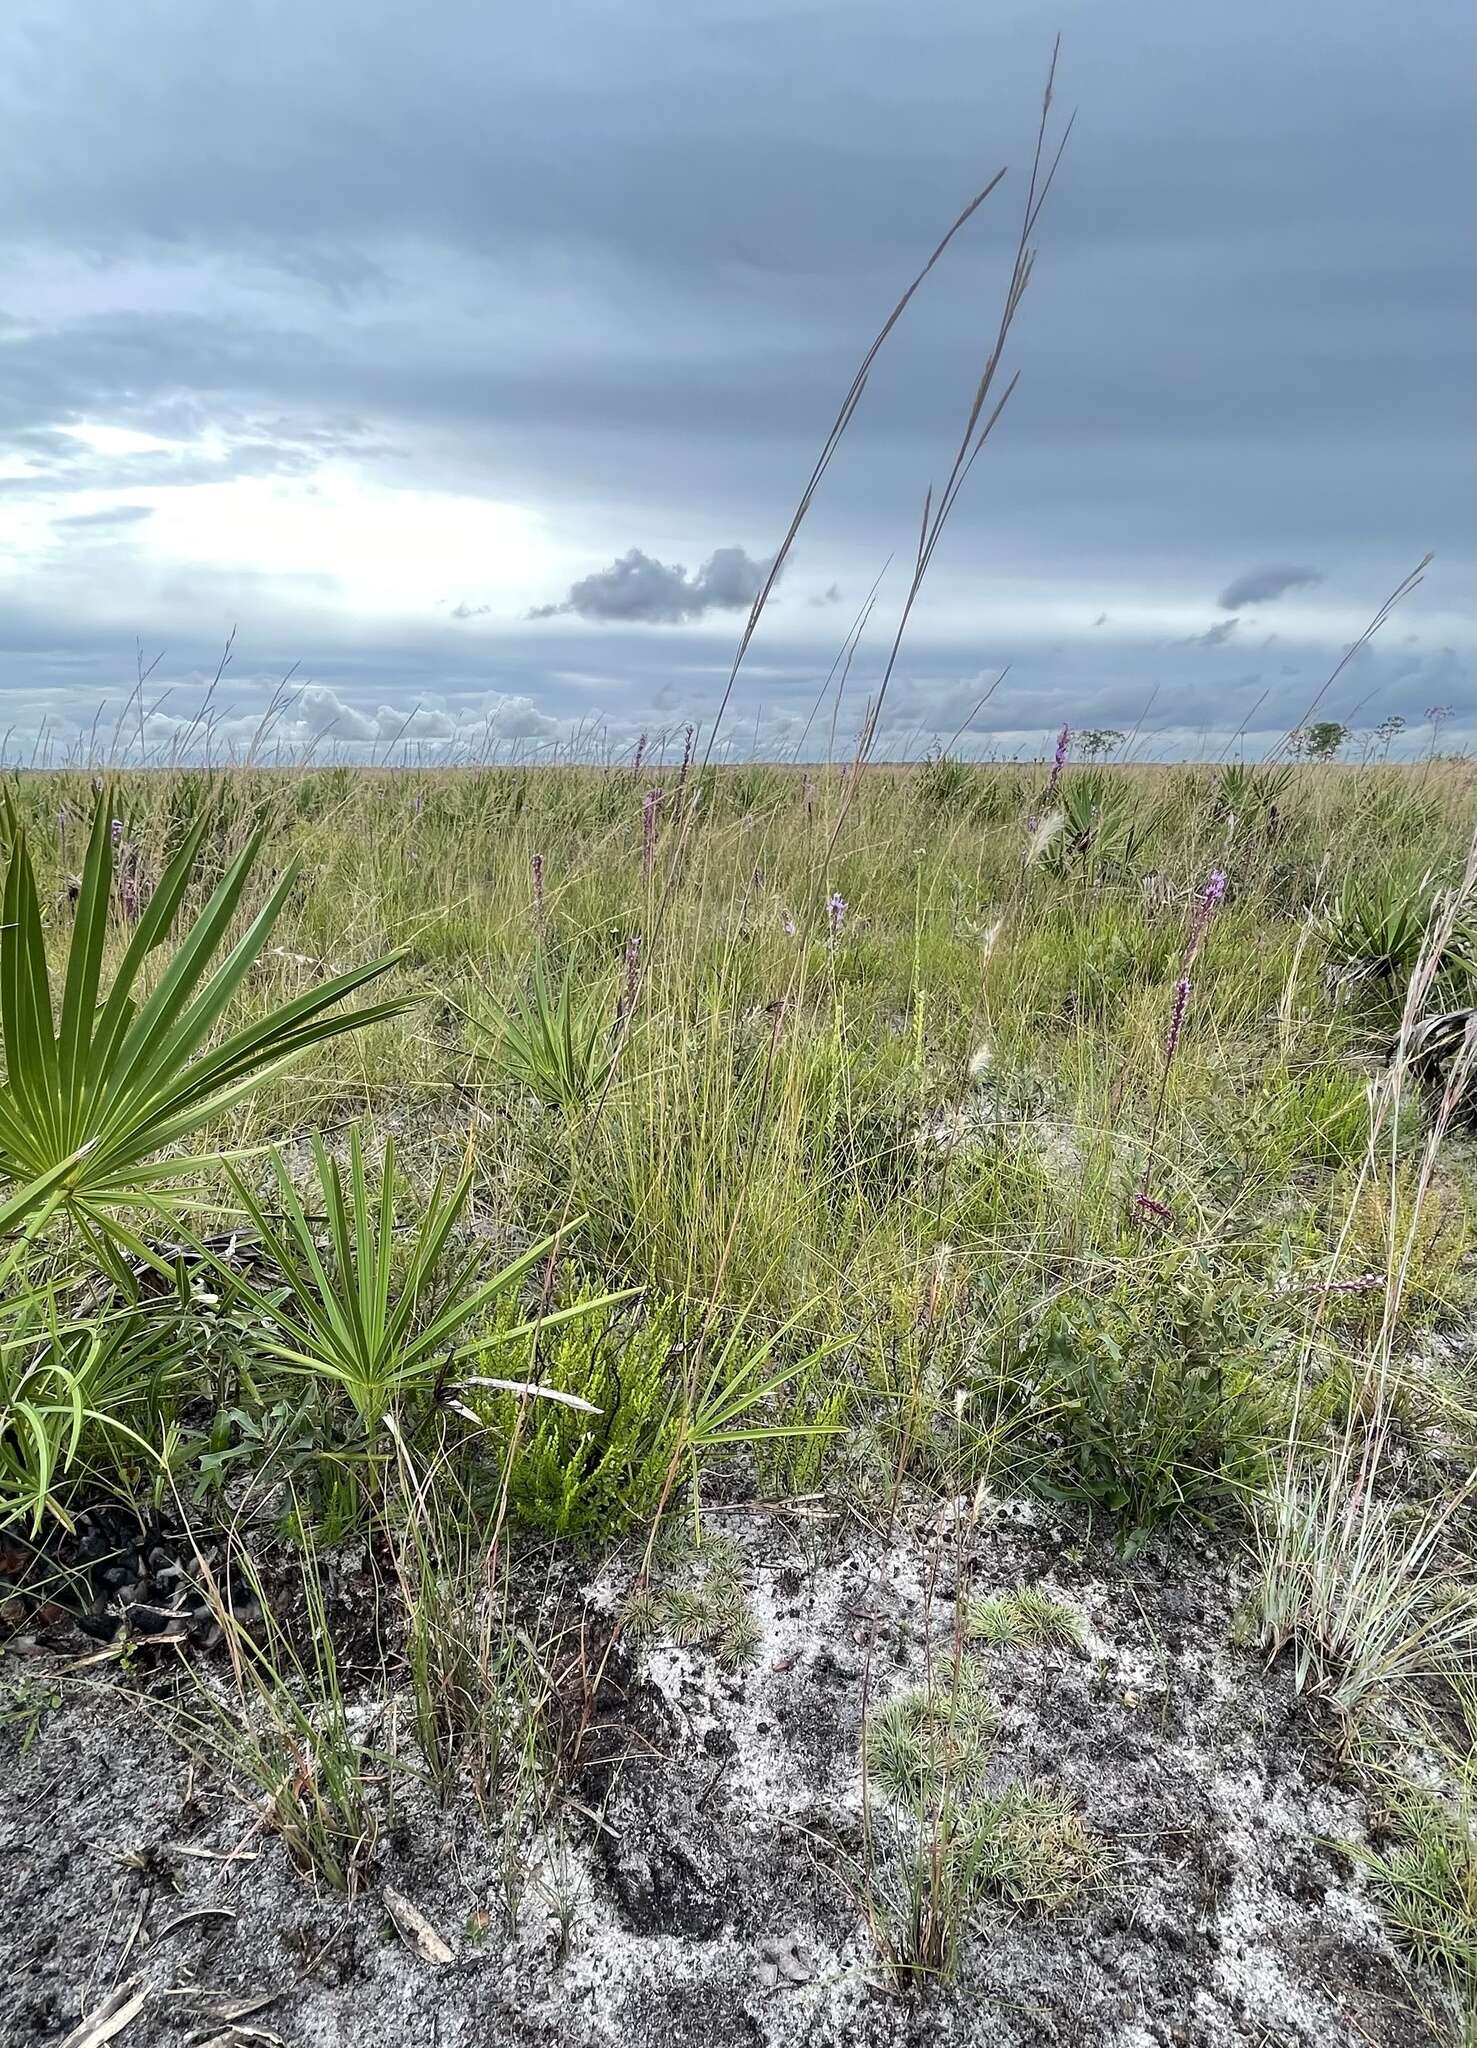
(1424, 1875)
(1025, 1614)
(932, 1741)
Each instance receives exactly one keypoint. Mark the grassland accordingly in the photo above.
(933, 1134)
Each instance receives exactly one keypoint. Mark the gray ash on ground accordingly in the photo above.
(709, 1849)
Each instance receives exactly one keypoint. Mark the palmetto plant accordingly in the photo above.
(1103, 825)
(1376, 927)
(99, 1094)
(377, 1315)
(558, 1042)
(1245, 791)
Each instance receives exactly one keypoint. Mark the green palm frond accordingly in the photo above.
(99, 1093)
(76, 1396)
(378, 1314)
(557, 1042)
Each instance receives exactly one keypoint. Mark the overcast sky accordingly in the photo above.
(472, 359)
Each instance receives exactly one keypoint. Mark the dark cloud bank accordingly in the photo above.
(616, 271)
(645, 591)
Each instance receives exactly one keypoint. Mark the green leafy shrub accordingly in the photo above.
(671, 1387)
(1152, 1406)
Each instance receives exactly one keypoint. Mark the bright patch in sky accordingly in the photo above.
(103, 439)
(352, 545)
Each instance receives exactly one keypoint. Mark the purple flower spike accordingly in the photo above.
(835, 913)
(1177, 1017)
(632, 982)
(1211, 897)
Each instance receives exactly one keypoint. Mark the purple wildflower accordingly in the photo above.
(1211, 896)
(835, 913)
(117, 829)
(640, 755)
(1210, 899)
(1363, 1283)
(787, 924)
(1147, 1206)
(134, 887)
(536, 866)
(689, 741)
(1177, 1017)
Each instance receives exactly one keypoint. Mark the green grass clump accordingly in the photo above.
(1032, 1846)
(1024, 1615)
(699, 1602)
(928, 1742)
(942, 1842)
(1426, 1885)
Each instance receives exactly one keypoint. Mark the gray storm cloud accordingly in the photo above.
(639, 588)
(614, 277)
(1261, 586)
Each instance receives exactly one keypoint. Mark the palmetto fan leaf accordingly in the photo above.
(96, 1094)
(557, 1041)
(378, 1323)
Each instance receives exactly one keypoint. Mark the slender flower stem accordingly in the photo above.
(1208, 902)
